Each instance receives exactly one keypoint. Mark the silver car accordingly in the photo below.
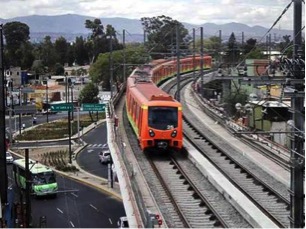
(104, 156)
(9, 158)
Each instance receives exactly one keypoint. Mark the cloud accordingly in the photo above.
(251, 12)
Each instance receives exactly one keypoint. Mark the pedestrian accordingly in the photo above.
(23, 126)
(34, 120)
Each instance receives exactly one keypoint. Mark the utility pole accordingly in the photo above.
(3, 171)
(219, 51)
(242, 38)
(47, 102)
(66, 87)
(297, 195)
(111, 62)
(124, 60)
(69, 134)
(202, 63)
(28, 189)
(71, 88)
(178, 74)
(193, 53)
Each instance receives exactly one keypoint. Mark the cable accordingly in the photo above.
(277, 20)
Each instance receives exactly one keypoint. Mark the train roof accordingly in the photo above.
(148, 92)
(35, 167)
(141, 85)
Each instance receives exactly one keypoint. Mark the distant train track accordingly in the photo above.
(268, 194)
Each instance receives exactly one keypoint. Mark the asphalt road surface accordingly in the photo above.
(88, 158)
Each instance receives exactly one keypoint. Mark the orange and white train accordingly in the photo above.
(155, 116)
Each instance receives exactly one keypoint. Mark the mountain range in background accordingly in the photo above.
(71, 26)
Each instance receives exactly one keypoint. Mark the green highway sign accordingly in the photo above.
(61, 107)
(93, 106)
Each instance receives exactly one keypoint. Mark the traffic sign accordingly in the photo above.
(24, 90)
(61, 107)
(25, 109)
(93, 106)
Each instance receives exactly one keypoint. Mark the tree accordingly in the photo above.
(96, 39)
(285, 47)
(232, 54)
(17, 38)
(71, 54)
(212, 46)
(161, 35)
(59, 69)
(96, 27)
(26, 57)
(38, 68)
(81, 54)
(48, 54)
(249, 46)
(89, 94)
(100, 70)
(61, 49)
(256, 54)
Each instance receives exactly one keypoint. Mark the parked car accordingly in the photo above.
(104, 156)
(123, 222)
(9, 158)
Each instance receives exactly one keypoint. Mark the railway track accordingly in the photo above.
(194, 207)
(164, 182)
(280, 158)
(268, 194)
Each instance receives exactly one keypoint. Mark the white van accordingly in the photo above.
(123, 222)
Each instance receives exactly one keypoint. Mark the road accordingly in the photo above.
(88, 158)
(76, 204)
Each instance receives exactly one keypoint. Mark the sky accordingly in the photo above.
(250, 12)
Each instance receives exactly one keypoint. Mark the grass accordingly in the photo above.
(57, 129)
(58, 159)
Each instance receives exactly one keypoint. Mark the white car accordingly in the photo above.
(123, 222)
(104, 156)
(9, 158)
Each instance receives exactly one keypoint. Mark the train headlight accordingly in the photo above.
(174, 133)
(151, 133)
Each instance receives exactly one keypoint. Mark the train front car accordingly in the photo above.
(154, 115)
(164, 124)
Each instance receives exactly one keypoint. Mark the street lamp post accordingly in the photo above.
(111, 63)
(47, 103)
(71, 88)
(66, 86)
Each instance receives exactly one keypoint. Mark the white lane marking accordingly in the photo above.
(71, 224)
(110, 220)
(90, 150)
(60, 210)
(74, 194)
(93, 207)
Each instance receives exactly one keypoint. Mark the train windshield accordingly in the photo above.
(163, 118)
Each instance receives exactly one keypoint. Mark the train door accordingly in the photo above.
(140, 121)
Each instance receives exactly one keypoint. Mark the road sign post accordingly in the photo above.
(65, 107)
(93, 107)
(61, 107)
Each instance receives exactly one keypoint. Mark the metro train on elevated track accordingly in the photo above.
(155, 116)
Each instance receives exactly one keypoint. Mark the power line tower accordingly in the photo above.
(297, 214)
